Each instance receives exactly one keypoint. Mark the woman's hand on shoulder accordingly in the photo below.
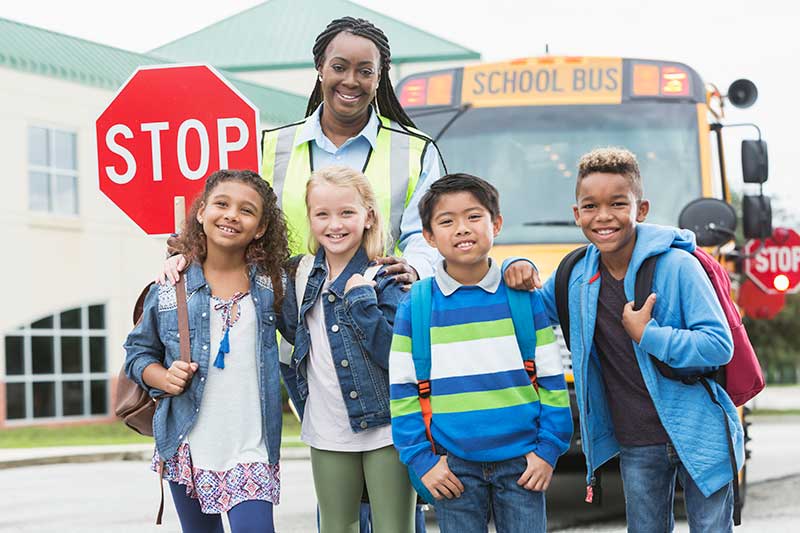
(356, 280)
(399, 268)
(171, 270)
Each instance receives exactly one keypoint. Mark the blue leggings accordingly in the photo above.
(252, 516)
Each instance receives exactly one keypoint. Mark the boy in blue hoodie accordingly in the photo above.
(661, 428)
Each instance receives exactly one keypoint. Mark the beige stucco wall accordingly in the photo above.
(52, 263)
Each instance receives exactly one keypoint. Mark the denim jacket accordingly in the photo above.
(155, 340)
(359, 323)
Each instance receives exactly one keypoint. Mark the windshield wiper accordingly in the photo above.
(456, 110)
(550, 223)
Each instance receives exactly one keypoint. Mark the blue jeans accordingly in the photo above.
(491, 487)
(251, 516)
(648, 478)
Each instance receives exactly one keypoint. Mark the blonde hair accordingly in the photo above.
(374, 239)
(612, 160)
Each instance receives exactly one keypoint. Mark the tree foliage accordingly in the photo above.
(777, 341)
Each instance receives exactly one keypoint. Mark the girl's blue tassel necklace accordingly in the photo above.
(228, 320)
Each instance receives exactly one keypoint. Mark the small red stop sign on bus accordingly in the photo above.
(166, 130)
(775, 268)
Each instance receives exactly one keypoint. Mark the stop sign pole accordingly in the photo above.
(774, 267)
(166, 130)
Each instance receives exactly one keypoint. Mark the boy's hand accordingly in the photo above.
(522, 276)
(537, 475)
(179, 374)
(400, 269)
(356, 280)
(442, 482)
(171, 271)
(634, 322)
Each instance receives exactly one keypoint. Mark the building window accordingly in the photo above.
(57, 367)
(52, 171)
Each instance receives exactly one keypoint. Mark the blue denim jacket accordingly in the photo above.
(155, 340)
(359, 325)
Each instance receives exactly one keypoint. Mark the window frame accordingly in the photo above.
(86, 376)
(52, 171)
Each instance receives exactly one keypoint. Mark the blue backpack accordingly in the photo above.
(421, 305)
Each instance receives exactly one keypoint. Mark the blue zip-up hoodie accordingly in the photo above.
(688, 330)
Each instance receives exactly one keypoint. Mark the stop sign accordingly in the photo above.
(776, 264)
(757, 303)
(164, 132)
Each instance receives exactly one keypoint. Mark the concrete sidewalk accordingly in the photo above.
(14, 457)
(775, 397)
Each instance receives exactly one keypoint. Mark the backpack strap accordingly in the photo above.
(524, 329)
(301, 274)
(563, 273)
(371, 272)
(421, 305)
(642, 289)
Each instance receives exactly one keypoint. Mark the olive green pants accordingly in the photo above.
(339, 479)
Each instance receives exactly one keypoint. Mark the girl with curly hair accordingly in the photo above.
(217, 425)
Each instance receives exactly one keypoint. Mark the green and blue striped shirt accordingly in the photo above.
(484, 407)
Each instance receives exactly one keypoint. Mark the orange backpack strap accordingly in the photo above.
(421, 305)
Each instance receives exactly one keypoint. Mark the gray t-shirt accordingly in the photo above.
(633, 414)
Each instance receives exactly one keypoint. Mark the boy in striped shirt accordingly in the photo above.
(496, 437)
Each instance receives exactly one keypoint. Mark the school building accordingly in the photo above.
(73, 263)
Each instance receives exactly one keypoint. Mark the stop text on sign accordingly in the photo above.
(186, 129)
(167, 129)
(784, 259)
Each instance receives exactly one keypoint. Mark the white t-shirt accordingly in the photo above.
(326, 425)
(229, 429)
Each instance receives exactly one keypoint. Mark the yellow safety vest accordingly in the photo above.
(393, 168)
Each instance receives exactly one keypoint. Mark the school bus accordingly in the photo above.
(523, 125)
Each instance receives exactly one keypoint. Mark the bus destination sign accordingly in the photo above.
(544, 81)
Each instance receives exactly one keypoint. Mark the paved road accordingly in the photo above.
(121, 497)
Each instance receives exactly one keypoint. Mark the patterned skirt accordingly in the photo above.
(220, 491)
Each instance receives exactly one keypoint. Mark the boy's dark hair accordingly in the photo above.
(481, 189)
(612, 160)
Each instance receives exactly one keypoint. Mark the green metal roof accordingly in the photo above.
(39, 51)
(279, 34)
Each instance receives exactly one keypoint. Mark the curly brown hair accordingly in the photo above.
(268, 254)
(612, 160)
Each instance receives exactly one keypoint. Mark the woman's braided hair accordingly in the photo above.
(387, 101)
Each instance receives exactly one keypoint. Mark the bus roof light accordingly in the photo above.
(414, 92)
(645, 80)
(440, 89)
(674, 81)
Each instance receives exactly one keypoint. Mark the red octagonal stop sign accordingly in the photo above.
(166, 130)
(776, 264)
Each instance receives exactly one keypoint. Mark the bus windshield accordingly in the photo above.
(530, 154)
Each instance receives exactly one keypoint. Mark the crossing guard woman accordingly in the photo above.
(354, 119)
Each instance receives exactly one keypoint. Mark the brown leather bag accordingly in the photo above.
(132, 403)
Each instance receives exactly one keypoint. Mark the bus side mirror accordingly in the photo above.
(712, 221)
(756, 217)
(755, 164)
